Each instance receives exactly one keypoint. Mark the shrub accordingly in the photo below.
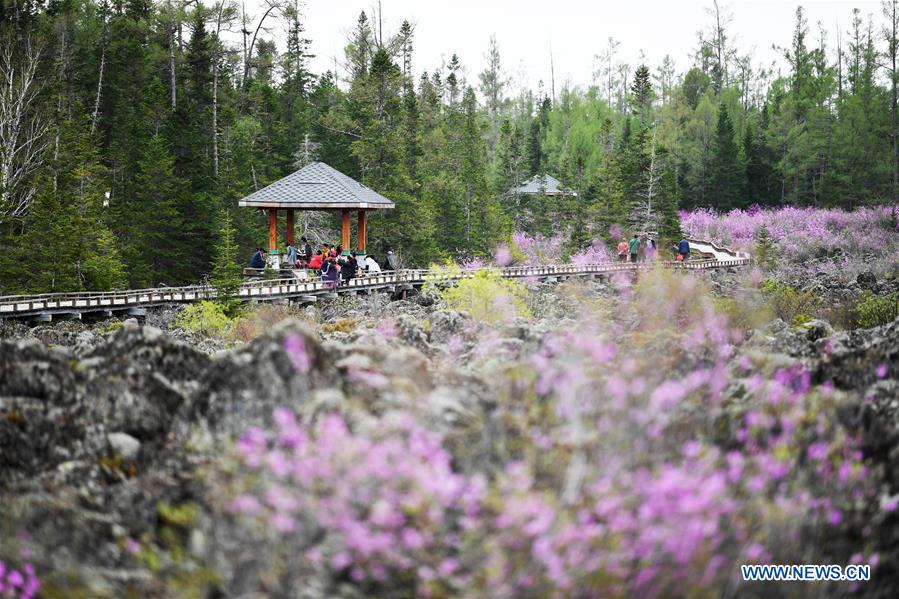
(875, 311)
(790, 305)
(17, 584)
(260, 319)
(344, 325)
(439, 277)
(205, 318)
(488, 297)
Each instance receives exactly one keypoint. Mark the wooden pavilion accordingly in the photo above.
(316, 186)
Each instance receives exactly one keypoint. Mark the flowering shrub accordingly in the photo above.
(18, 584)
(536, 251)
(838, 242)
(391, 507)
(487, 296)
(627, 469)
(597, 253)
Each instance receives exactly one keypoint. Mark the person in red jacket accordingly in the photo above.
(622, 251)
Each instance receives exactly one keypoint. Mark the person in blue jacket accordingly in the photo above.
(258, 260)
(683, 248)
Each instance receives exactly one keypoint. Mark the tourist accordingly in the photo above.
(683, 250)
(371, 265)
(330, 272)
(316, 262)
(258, 259)
(622, 251)
(651, 251)
(334, 251)
(641, 249)
(305, 252)
(291, 255)
(634, 247)
(348, 270)
(391, 260)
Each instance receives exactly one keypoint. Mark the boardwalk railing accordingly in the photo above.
(13, 306)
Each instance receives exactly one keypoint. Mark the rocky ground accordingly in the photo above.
(107, 431)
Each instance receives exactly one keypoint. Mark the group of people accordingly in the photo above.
(638, 249)
(330, 263)
(643, 248)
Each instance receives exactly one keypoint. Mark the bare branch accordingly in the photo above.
(23, 130)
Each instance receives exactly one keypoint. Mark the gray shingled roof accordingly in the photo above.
(544, 185)
(316, 186)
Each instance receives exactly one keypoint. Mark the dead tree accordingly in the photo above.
(23, 130)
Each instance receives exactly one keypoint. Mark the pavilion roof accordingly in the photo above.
(544, 185)
(316, 186)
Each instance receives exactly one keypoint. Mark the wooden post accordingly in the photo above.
(273, 238)
(360, 242)
(345, 232)
(290, 226)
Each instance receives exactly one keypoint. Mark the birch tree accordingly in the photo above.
(23, 129)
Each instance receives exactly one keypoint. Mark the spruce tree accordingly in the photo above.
(667, 201)
(226, 272)
(727, 174)
(642, 95)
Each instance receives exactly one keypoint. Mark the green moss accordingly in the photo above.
(112, 326)
(344, 325)
(183, 515)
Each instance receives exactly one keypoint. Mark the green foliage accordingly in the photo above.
(112, 327)
(791, 305)
(183, 515)
(765, 249)
(439, 277)
(727, 174)
(635, 147)
(226, 272)
(486, 296)
(875, 311)
(205, 318)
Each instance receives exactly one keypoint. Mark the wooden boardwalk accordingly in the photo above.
(45, 307)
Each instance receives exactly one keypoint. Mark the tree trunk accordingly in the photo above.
(22, 130)
(96, 114)
(652, 170)
(172, 75)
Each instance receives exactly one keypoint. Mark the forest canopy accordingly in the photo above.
(127, 127)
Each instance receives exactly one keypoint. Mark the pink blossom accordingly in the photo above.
(295, 347)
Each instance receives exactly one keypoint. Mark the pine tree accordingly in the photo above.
(511, 167)
(377, 108)
(226, 274)
(642, 95)
(727, 174)
(667, 205)
(297, 77)
(484, 221)
(68, 246)
(155, 245)
(607, 209)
